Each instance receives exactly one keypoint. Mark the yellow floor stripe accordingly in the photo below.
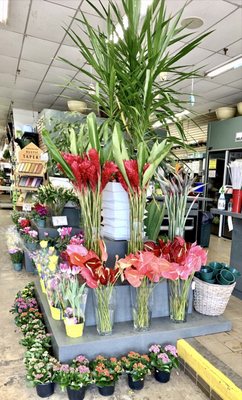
(219, 383)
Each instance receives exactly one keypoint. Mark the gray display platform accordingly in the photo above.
(124, 338)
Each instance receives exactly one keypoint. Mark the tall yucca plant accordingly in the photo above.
(126, 67)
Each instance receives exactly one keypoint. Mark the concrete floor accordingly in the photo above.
(12, 374)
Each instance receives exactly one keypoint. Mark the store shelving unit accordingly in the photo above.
(30, 173)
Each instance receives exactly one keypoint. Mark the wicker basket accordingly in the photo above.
(211, 299)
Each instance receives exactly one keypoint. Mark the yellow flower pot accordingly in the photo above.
(56, 313)
(42, 285)
(74, 330)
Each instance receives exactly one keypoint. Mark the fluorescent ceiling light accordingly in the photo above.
(179, 115)
(234, 63)
(3, 11)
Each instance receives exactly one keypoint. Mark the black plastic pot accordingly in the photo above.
(45, 390)
(106, 390)
(76, 394)
(135, 385)
(162, 376)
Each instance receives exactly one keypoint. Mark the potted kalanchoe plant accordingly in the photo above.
(136, 367)
(40, 372)
(16, 255)
(105, 372)
(75, 378)
(40, 213)
(163, 359)
(30, 237)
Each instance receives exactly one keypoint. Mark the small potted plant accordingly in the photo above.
(74, 295)
(163, 359)
(30, 237)
(40, 372)
(54, 296)
(16, 255)
(40, 214)
(136, 367)
(105, 372)
(74, 378)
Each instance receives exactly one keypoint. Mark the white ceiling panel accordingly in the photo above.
(30, 85)
(59, 76)
(40, 106)
(228, 31)
(208, 13)
(3, 99)
(71, 54)
(48, 19)
(23, 95)
(8, 64)
(212, 61)
(10, 43)
(236, 84)
(60, 102)
(195, 57)
(45, 98)
(66, 3)
(5, 92)
(32, 70)
(237, 2)
(231, 99)
(7, 80)
(235, 48)
(38, 50)
(17, 15)
(219, 93)
(77, 27)
(50, 88)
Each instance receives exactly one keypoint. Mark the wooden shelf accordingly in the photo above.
(28, 188)
(29, 174)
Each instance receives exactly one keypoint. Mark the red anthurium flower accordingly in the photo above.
(153, 247)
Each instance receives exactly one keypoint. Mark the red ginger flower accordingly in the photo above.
(109, 172)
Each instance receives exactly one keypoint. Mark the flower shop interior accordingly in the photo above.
(121, 199)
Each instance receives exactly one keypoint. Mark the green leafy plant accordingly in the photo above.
(55, 198)
(163, 358)
(136, 365)
(155, 214)
(127, 58)
(105, 371)
(74, 377)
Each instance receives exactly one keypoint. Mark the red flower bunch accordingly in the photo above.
(40, 210)
(132, 171)
(86, 169)
(109, 173)
(23, 222)
(143, 264)
(184, 258)
(92, 267)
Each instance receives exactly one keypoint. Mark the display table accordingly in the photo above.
(236, 246)
(124, 338)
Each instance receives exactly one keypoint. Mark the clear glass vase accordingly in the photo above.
(142, 301)
(105, 305)
(178, 299)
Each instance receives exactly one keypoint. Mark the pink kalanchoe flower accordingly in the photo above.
(38, 376)
(155, 348)
(172, 350)
(164, 357)
(83, 369)
(81, 359)
(64, 368)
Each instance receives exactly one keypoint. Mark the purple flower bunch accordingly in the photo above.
(16, 254)
(65, 231)
(163, 358)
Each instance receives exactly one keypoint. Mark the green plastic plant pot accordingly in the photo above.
(206, 273)
(235, 272)
(225, 277)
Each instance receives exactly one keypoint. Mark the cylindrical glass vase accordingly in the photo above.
(178, 299)
(142, 301)
(105, 305)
